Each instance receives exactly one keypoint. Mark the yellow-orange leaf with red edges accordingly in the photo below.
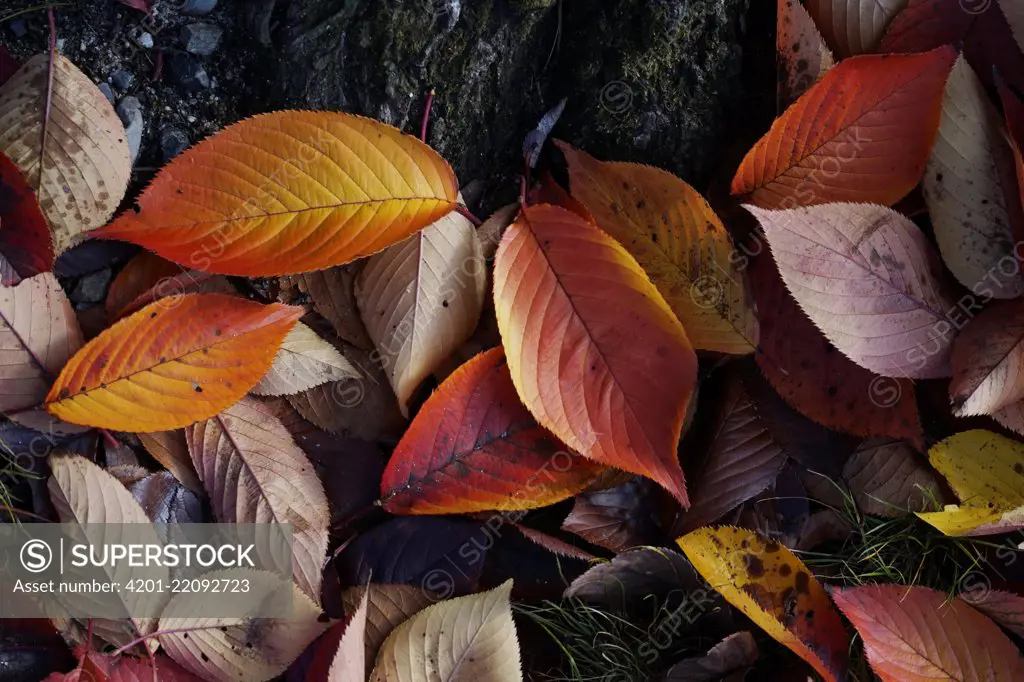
(862, 133)
(474, 447)
(773, 588)
(177, 361)
(594, 350)
(289, 192)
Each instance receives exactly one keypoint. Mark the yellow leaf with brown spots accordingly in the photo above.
(986, 471)
(773, 588)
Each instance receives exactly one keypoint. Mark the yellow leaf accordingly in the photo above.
(773, 588)
(986, 471)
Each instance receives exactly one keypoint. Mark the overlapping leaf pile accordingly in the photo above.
(604, 366)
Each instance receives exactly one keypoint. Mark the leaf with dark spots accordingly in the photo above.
(439, 554)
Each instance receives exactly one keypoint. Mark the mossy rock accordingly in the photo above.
(646, 80)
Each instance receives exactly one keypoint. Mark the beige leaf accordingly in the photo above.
(888, 478)
(970, 186)
(332, 292)
(421, 299)
(236, 649)
(83, 493)
(1013, 10)
(1012, 417)
(802, 53)
(81, 173)
(170, 449)
(363, 408)
(254, 472)
(490, 231)
(38, 333)
(388, 606)
(468, 639)
(853, 27)
(304, 361)
(349, 664)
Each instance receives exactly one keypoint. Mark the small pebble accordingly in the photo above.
(92, 288)
(143, 39)
(107, 92)
(191, 119)
(188, 71)
(18, 28)
(201, 38)
(197, 8)
(173, 141)
(123, 79)
(130, 112)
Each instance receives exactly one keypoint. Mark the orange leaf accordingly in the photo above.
(474, 447)
(773, 588)
(862, 133)
(678, 240)
(138, 276)
(583, 326)
(173, 363)
(916, 634)
(289, 192)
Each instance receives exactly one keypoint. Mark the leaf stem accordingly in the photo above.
(459, 208)
(426, 116)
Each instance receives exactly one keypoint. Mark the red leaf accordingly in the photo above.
(141, 5)
(978, 25)
(24, 236)
(475, 447)
(862, 133)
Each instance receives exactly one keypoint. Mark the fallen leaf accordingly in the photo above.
(232, 649)
(25, 241)
(141, 5)
(474, 447)
(387, 607)
(72, 149)
(101, 508)
(203, 353)
(305, 360)
(187, 282)
(332, 292)
(773, 588)
(38, 334)
(166, 500)
(870, 144)
(421, 299)
(139, 275)
(490, 231)
(868, 279)
(1005, 608)
(854, 27)
(627, 367)
(253, 472)
(743, 460)
(364, 407)
(970, 187)
(734, 654)
(350, 661)
(92, 255)
(552, 544)
(289, 192)
(171, 449)
(916, 634)
(99, 667)
(988, 360)
(888, 478)
(441, 555)
(1013, 109)
(977, 25)
(802, 53)
(986, 471)
(467, 639)
(816, 380)
(679, 242)
(9, 65)
(618, 518)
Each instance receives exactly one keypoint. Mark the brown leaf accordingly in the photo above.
(170, 449)
(854, 26)
(81, 171)
(735, 653)
(387, 607)
(166, 500)
(490, 231)
(333, 294)
(254, 472)
(802, 53)
(888, 478)
(617, 518)
(988, 361)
